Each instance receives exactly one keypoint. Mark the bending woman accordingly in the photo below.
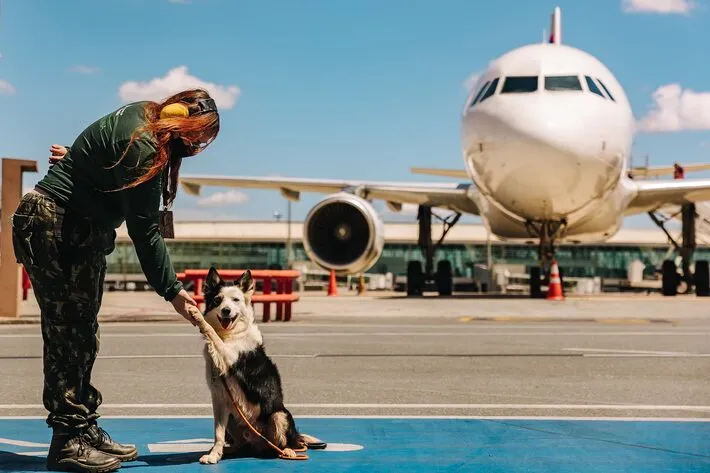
(117, 170)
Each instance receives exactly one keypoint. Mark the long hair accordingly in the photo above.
(199, 130)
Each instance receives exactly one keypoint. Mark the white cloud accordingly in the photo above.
(223, 198)
(85, 69)
(176, 80)
(6, 88)
(676, 109)
(657, 6)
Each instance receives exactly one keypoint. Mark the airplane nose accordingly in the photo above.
(539, 163)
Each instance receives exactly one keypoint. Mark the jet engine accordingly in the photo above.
(343, 232)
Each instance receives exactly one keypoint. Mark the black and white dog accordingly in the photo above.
(234, 348)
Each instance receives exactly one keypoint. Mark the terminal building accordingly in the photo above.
(265, 244)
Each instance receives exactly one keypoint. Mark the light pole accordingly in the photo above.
(289, 247)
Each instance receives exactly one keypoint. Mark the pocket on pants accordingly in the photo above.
(22, 231)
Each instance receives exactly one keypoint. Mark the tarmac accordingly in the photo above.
(149, 307)
(466, 383)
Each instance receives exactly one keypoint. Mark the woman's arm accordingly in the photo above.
(141, 207)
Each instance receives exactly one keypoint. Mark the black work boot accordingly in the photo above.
(101, 440)
(69, 451)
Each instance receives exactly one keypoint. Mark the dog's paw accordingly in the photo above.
(209, 459)
(288, 452)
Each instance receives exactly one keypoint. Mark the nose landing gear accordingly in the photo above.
(547, 232)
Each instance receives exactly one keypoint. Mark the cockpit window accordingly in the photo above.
(491, 89)
(562, 83)
(519, 84)
(606, 90)
(480, 92)
(593, 87)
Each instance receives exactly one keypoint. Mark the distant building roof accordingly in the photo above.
(395, 232)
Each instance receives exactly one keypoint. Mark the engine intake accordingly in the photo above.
(343, 232)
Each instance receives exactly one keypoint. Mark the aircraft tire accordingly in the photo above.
(444, 278)
(702, 279)
(535, 289)
(415, 278)
(670, 278)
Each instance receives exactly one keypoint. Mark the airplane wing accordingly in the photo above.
(452, 196)
(456, 173)
(655, 195)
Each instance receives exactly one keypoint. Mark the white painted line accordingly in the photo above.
(343, 447)
(190, 441)
(179, 447)
(459, 333)
(344, 416)
(116, 406)
(22, 443)
(617, 350)
(122, 357)
(506, 406)
(641, 355)
(38, 453)
(652, 407)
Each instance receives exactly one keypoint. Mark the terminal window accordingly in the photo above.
(562, 83)
(519, 84)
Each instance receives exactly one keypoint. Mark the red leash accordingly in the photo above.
(282, 454)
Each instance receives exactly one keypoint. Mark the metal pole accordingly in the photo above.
(489, 256)
(289, 250)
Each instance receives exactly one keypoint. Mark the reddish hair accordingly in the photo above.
(199, 129)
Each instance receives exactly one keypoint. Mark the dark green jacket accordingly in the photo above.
(82, 182)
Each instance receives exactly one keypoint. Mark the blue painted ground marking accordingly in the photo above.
(412, 445)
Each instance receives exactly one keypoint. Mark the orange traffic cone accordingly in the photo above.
(554, 291)
(332, 285)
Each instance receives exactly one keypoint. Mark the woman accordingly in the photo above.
(117, 170)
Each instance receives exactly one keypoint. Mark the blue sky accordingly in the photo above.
(360, 90)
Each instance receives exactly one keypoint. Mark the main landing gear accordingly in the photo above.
(418, 278)
(547, 232)
(674, 283)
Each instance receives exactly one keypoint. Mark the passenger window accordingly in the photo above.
(562, 83)
(480, 92)
(593, 87)
(606, 90)
(491, 89)
(519, 84)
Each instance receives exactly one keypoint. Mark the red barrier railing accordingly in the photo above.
(283, 297)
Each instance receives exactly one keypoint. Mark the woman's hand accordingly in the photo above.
(186, 306)
(58, 152)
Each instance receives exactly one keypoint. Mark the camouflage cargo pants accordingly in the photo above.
(65, 258)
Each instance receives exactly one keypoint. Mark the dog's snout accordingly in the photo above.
(226, 311)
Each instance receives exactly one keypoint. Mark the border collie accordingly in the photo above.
(234, 349)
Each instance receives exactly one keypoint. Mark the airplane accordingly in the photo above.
(546, 136)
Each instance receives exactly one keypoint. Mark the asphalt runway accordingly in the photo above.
(639, 381)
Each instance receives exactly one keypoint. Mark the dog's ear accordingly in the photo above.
(213, 282)
(246, 284)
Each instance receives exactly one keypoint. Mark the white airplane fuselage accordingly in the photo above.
(544, 147)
